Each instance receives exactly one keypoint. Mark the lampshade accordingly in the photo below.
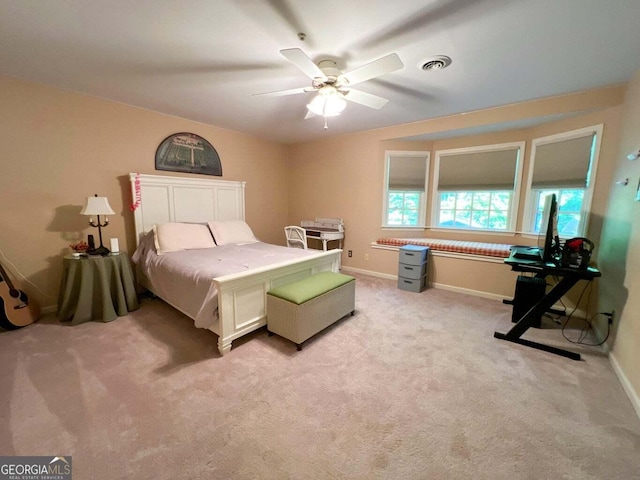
(97, 206)
(327, 103)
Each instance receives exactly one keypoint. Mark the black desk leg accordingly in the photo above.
(528, 319)
(539, 346)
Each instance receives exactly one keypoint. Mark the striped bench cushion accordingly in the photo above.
(499, 250)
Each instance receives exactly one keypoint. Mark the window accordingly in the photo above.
(404, 189)
(475, 188)
(488, 210)
(404, 208)
(564, 164)
(569, 208)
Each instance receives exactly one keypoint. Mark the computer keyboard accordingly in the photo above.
(526, 253)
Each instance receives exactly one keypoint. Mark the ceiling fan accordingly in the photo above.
(333, 87)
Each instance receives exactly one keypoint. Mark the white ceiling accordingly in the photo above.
(204, 59)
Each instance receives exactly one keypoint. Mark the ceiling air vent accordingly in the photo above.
(435, 63)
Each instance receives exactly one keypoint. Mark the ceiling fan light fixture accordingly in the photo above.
(331, 84)
(328, 103)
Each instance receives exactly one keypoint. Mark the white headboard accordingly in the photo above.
(162, 199)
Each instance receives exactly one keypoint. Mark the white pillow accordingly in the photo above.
(233, 231)
(175, 237)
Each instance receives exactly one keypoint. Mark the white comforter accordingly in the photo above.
(184, 279)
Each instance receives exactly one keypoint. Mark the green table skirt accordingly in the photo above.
(96, 288)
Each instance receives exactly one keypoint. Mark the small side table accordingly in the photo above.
(96, 288)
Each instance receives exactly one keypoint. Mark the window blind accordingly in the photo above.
(563, 164)
(407, 173)
(494, 170)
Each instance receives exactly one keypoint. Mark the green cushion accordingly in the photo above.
(310, 287)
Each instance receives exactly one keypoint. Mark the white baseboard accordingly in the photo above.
(600, 339)
(468, 291)
(451, 288)
(578, 313)
(369, 272)
(626, 384)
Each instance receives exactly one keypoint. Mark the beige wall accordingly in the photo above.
(57, 148)
(619, 249)
(344, 176)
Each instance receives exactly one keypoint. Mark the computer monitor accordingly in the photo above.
(548, 239)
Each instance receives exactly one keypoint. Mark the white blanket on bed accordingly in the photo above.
(184, 279)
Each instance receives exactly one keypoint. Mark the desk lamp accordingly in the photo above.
(98, 206)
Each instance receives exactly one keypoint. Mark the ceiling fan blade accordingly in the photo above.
(437, 16)
(304, 63)
(382, 66)
(364, 98)
(280, 93)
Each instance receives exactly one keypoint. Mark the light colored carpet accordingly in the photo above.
(414, 386)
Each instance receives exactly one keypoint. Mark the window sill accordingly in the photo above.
(404, 227)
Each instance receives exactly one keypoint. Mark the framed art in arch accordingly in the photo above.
(188, 153)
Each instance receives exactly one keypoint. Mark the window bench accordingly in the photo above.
(462, 248)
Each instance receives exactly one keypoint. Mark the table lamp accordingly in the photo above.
(98, 206)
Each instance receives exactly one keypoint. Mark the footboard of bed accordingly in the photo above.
(242, 297)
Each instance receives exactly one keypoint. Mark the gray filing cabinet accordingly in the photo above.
(412, 268)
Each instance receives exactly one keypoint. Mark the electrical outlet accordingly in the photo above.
(610, 316)
(366, 256)
(349, 253)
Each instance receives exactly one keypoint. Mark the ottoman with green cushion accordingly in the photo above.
(299, 310)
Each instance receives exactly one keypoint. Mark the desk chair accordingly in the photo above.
(296, 237)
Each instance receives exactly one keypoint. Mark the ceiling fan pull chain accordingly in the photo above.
(326, 127)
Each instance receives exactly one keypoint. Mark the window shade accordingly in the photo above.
(495, 170)
(563, 164)
(407, 173)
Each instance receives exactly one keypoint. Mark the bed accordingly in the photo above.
(233, 304)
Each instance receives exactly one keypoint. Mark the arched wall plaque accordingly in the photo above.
(189, 153)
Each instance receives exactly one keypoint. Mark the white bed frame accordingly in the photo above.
(242, 296)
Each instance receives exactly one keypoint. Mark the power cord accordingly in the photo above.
(587, 322)
(590, 327)
(564, 307)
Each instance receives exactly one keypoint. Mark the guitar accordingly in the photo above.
(16, 310)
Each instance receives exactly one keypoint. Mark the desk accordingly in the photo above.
(324, 230)
(96, 288)
(569, 277)
(325, 237)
